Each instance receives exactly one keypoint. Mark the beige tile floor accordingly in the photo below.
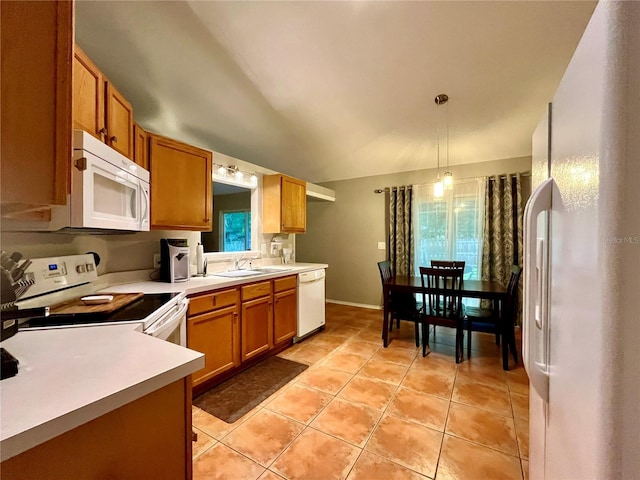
(363, 412)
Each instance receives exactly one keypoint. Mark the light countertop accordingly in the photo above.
(211, 282)
(70, 376)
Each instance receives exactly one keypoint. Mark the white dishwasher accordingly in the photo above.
(310, 302)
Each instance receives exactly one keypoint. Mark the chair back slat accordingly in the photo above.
(385, 270)
(516, 270)
(447, 263)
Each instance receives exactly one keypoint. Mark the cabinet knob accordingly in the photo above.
(102, 131)
(114, 139)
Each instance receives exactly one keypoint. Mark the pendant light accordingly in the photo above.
(439, 186)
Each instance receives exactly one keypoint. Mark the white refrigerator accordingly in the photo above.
(581, 335)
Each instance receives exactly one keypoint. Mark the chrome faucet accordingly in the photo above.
(239, 262)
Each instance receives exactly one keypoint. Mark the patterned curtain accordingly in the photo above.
(400, 233)
(502, 242)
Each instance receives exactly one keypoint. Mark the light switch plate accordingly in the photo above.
(263, 248)
(381, 246)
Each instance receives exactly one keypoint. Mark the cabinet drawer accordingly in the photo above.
(212, 301)
(256, 290)
(286, 283)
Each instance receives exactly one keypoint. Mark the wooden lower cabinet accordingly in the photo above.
(237, 327)
(285, 308)
(147, 438)
(257, 319)
(216, 332)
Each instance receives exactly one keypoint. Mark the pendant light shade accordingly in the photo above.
(447, 180)
(438, 189)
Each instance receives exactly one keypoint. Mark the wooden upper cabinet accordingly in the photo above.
(119, 120)
(181, 190)
(88, 95)
(36, 50)
(140, 146)
(284, 204)
(99, 108)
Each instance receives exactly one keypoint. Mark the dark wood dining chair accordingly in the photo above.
(487, 320)
(402, 305)
(446, 264)
(442, 303)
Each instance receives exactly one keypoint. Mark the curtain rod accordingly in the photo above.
(502, 177)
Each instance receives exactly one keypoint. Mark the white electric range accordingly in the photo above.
(59, 279)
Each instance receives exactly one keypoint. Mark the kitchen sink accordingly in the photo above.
(249, 273)
(266, 270)
(236, 273)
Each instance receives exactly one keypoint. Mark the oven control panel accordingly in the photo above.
(54, 273)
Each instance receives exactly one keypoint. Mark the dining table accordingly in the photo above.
(482, 289)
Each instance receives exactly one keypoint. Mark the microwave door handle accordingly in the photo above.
(132, 205)
(145, 197)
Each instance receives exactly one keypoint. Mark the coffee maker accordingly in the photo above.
(174, 260)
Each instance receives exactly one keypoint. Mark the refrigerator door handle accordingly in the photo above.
(535, 293)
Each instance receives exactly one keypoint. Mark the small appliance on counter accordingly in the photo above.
(174, 260)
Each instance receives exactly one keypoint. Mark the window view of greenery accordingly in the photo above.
(236, 231)
(448, 229)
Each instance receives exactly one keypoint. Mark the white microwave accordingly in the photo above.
(108, 191)
(109, 194)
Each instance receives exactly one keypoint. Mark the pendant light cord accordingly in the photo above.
(447, 136)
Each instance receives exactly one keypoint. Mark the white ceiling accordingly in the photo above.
(337, 89)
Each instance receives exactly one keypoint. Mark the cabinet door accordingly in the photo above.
(294, 205)
(284, 204)
(140, 146)
(36, 70)
(285, 315)
(181, 196)
(88, 95)
(257, 327)
(119, 114)
(217, 335)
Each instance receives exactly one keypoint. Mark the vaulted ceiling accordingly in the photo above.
(337, 89)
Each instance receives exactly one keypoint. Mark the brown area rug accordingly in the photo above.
(235, 397)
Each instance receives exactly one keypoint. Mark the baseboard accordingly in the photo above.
(352, 304)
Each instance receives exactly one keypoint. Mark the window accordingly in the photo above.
(235, 231)
(449, 228)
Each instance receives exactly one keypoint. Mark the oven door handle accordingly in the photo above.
(163, 327)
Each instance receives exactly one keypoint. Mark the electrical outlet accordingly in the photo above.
(263, 248)
(381, 246)
(156, 260)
